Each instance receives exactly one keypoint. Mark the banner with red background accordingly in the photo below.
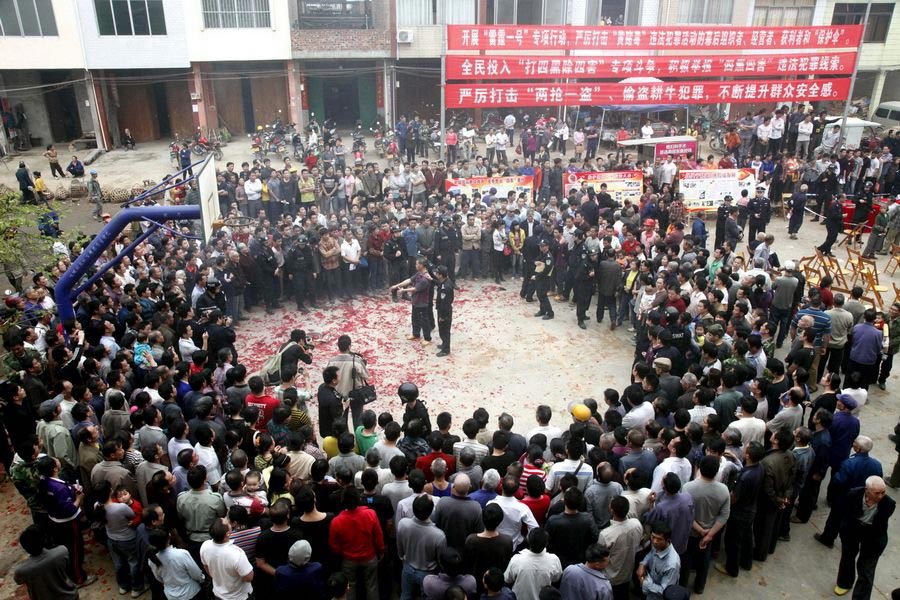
(465, 68)
(680, 92)
(564, 37)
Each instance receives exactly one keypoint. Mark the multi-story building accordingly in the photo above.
(169, 68)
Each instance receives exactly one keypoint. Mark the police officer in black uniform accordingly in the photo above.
(721, 219)
(530, 253)
(543, 279)
(446, 243)
(444, 304)
(395, 254)
(759, 209)
(585, 278)
(301, 272)
(268, 265)
(413, 408)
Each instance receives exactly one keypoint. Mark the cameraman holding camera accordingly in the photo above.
(351, 374)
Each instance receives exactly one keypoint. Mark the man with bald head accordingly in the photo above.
(864, 526)
(458, 515)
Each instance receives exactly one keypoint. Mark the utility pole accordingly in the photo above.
(443, 82)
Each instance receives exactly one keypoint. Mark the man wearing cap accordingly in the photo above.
(95, 195)
(758, 209)
(543, 279)
(721, 219)
(300, 575)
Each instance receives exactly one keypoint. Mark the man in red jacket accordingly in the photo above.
(356, 537)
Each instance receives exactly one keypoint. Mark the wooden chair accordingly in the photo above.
(896, 292)
(850, 235)
(893, 262)
(873, 289)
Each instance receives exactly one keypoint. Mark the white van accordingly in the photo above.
(888, 114)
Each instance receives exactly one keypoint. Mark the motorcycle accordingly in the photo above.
(202, 146)
(378, 131)
(256, 144)
(359, 141)
(329, 129)
(296, 142)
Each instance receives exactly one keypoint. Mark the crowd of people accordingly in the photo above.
(137, 423)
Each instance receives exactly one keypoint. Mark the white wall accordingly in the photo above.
(62, 51)
(135, 51)
(207, 45)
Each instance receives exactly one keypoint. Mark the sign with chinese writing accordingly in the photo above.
(675, 149)
(621, 185)
(704, 189)
(483, 185)
(466, 68)
(676, 92)
(564, 37)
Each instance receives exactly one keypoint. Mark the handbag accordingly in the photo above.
(507, 250)
(364, 394)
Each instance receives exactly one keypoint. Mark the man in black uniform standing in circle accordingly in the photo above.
(444, 305)
(721, 218)
(543, 279)
(301, 271)
(585, 276)
(446, 243)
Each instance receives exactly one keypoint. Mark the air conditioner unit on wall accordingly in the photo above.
(405, 36)
(195, 96)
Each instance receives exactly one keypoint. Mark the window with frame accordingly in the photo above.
(713, 12)
(27, 18)
(773, 13)
(879, 22)
(130, 17)
(611, 12)
(236, 14)
(527, 12)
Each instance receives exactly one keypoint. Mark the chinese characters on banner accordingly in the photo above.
(546, 67)
(516, 37)
(621, 185)
(483, 185)
(675, 149)
(680, 92)
(704, 189)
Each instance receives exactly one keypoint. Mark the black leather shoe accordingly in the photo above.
(548, 316)
(540, 313)
(582, 325)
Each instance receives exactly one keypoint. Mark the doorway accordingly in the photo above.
(62, 108)
(341, 100)
(162, 110)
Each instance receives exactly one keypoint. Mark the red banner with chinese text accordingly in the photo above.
(565, 37)
(466, 68)
(680, 92)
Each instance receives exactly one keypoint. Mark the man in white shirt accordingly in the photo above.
(515, 514)
(751, 428)
(574, 464)
(501, 140)
(667, 171)
(804, 134)
(350, 253)
(509, 123)
(777, 136)
(533, 568)
(622, 538)
(763, 134)
(677, 463)
(646, 131)
(253, 189)
(227, 565)
(542, 415)
(639, 414)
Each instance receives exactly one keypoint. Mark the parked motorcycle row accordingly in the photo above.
(200, 145)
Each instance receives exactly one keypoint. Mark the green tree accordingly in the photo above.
(22, 244)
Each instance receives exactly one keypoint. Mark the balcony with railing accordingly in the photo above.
(335, 14)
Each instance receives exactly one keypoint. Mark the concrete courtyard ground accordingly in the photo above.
(503, 359)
